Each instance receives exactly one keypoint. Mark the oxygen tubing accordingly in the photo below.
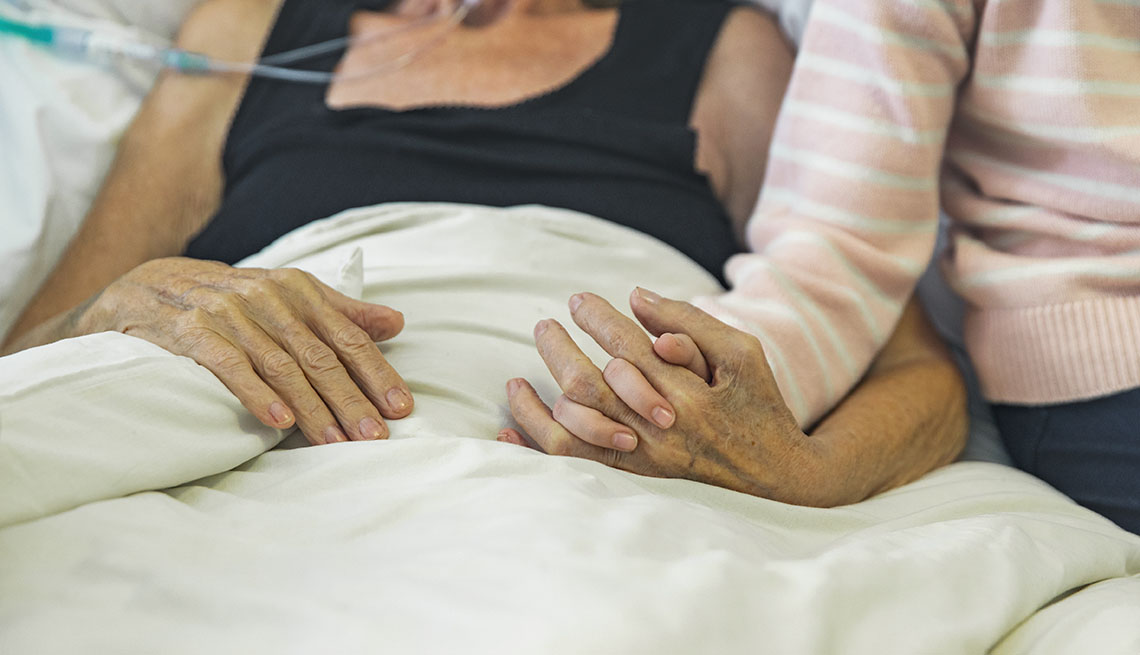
(92, 45)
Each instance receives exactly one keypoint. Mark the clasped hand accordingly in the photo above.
(699, 403)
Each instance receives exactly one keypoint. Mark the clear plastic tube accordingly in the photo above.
(93, 45)
(272, 67)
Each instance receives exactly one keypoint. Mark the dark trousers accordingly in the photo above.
(1089, 450)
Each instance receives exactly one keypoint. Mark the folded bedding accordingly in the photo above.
(143, 510)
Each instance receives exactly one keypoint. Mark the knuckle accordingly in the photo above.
(317, 358)
(619, 340)
(286, 274)
(277, 364)
(294, 278)
(354, 404)
(220, 304)
(313, 412)
(582, 388)
(353, 339)
(260, 289)
(227, 360)
(195, 337)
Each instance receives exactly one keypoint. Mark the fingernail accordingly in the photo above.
(648, 296)
(539, 328)
(371, 428)
(625, 441)
(513, 386)
(280, 414)
(334, 435)
(398, 400)
(505, 436)
(575, 302)
(662, 417)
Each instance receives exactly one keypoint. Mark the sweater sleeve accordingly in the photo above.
(848, 214)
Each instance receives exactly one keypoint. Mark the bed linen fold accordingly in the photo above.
(142, 515)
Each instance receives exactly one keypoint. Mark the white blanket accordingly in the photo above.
(140, 515)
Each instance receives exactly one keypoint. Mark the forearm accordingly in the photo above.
(142, 213)
(849, 208)
(166, 180)
(906, 418)
(894, 428)
(65, 325)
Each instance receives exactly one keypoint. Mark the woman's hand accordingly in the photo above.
(290, 348)
(700, 403)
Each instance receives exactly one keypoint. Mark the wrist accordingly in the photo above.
(814, 479)
(822, 480)
(800, 473)
(85, 318)
(59, 327)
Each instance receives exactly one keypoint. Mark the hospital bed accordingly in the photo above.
(143, 510)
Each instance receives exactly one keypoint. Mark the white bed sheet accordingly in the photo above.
(133, 525)
(125, 532)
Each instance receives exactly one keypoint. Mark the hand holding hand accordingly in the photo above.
(700, 403)
(289, 347)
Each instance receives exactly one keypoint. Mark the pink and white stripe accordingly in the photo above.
(1023, 120)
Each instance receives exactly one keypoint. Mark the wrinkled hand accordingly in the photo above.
(699, 403)
(290, 348)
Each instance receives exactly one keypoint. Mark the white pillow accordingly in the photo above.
(60, 121)
(160, 18)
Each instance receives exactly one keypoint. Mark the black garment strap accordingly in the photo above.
(298, 23)
(614, 142)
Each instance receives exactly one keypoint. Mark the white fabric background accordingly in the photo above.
(60, 122)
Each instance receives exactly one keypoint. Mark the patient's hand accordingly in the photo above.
(290, 348)
(730, 426)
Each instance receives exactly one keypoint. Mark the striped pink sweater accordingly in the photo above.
(1025, 116)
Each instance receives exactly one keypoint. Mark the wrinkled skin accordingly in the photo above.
(729, 428)
(290, 348)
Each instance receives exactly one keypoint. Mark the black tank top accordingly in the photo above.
(614, 142)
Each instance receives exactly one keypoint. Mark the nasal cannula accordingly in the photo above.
(94, 45)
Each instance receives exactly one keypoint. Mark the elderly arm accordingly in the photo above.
(906, 417)
(165, 182)
(291, 349)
